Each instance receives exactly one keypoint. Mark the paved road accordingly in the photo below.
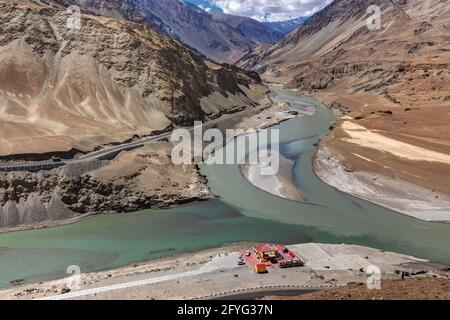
(258, 294)
(122, 286)
(219, 263)
(110, 152)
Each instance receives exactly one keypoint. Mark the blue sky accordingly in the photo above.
(206, 5)
(264, 10)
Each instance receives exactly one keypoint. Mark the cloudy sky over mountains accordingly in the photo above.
(264, 10)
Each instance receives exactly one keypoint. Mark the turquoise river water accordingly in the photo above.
(241, 213)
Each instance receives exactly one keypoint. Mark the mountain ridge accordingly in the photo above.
(63, 89)
(185, 23)
(252, 29)
(287, 26)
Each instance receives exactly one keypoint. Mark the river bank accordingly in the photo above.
(215, 273)
(282, 183)
(344, 171)
(396, 195)
(135, 180)
(388, 156)
(241, 212)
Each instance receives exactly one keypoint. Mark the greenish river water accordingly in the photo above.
(243, 213)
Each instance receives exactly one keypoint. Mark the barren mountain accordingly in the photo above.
(287, 26)
(393, 83)
(253, 30)
(182, 22)
(63, 89)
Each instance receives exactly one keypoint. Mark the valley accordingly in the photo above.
(111, 81)
(88, 178)
(390, 88)
(240, 212)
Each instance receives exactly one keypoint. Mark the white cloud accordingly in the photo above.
(271, 10)
(207, 9)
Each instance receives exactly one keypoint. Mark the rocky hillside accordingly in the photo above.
(393, 83)
(287, 26)
(141, 179)
(186, 23)
(63, 89)
(336, 43)
(253, 30)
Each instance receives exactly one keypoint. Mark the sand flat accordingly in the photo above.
(398, 195)
(281, 185)
(370, 139)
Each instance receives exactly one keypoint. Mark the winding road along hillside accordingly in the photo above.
(110, 152)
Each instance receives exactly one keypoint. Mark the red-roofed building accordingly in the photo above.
(264, 255)
(266, 252)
